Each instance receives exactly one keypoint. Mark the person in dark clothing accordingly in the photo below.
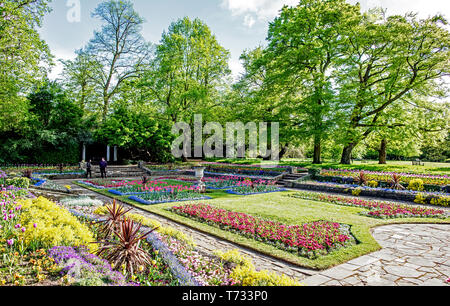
(103, 165)
(89, 169)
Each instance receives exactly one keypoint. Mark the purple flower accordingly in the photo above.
(10, 242)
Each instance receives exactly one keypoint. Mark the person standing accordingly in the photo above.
(103, 165)
(89, 169)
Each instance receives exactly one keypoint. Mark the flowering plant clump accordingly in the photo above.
(309, 240)
(245, 273)
(85, 269)
(245, 169)
(84, 204)
(48, 224)
(377, 209)
(206, 270)
(3, 177)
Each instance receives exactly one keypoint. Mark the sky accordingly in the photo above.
(237, 24)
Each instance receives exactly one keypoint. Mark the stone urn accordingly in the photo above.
(199, 173)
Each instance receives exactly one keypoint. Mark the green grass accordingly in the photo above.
(281, 207)
(391, 166)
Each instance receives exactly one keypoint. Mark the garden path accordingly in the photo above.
(412, 254)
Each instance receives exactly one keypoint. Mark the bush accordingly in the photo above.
(48, 225)
(19, 182)
(313, 172)
(416, 185)
(373, 184)
(246, 275)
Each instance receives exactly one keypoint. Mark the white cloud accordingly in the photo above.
(424, 8)
(267, 10)
(256, 10)
(236, 68)
(249, 21)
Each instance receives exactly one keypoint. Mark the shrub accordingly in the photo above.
(19, 182)
(373, 184)
(356, 192)
(246, 275)
(416, 185)
(313, 172)
(396, 182)
(115, 216)
(48, 225)
(441, 201)
(166, 230)
(125, 252)
(420, 199)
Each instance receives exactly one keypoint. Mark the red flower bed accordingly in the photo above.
(378, 209)
(309, 240)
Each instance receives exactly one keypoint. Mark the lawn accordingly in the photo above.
(281, 207)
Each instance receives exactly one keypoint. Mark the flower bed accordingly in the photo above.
(167, 197)
(249, 187)
(223, 182)
(245, 169)
(84, 268)
(173, 258)
(432, 198)
(377, 209)
(107, 183)
(194, 268)
(83, 204)
(308, 240)
(440, 180)
(51, 186)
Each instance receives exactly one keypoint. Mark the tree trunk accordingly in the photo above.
(317, 151)
(382, 152)
(347, 154)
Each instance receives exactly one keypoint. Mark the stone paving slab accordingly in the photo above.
(408, 258)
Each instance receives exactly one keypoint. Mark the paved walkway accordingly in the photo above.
(412, 254)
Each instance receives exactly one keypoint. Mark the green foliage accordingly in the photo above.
(139, 135)
(188, 71)
(416, 185)
(19, 182)
(50, 133)
(22, 57)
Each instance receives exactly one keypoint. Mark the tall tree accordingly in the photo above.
(304, 44)
(119, 48)
(79, 79)
(388, 60)
(188, 71)
(24, 57)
